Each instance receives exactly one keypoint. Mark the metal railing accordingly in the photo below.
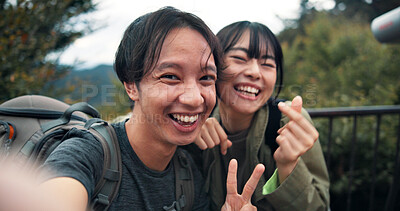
(355, 112)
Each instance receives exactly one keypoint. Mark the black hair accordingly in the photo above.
(259, 35)
(141, 44)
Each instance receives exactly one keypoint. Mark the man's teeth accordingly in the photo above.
(186, 118)
(248, 89)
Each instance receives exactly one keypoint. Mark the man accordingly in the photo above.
(168, 61)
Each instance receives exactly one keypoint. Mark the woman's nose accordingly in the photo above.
(253, 69)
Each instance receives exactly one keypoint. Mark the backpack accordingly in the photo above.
(32, 126)
(274, 118)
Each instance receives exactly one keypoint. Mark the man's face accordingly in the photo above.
(177, 96)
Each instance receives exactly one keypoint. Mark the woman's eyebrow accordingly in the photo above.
(239, 49)
(247, 52)
(268, 57)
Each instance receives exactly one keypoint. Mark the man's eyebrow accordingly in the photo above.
(211, 68)
(165, 65)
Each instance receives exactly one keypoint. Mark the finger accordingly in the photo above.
(251, 184)
(305, 138)
(285, 152)
(296, 145)
(214, 134)
(297, 104)
(281, 129)
(225, 145)
(200, 143)
(293, 114)
(223, 137)
(231, 183)
(205, 135)
(229, 142)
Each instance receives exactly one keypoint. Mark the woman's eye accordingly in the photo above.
(268, 65)
(239, 58)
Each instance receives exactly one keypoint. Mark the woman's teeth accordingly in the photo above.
(248, 90)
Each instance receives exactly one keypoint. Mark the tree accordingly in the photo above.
(367, 9)
(337, 62)
(360, 10)
(30, 31)
(340, 63)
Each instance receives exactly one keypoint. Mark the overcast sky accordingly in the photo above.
(115, 15)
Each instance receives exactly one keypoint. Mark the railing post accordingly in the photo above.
(328, 154)
(374, 162)
(393, 197)
(352, 160)
(394, 188)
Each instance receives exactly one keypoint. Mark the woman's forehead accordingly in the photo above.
(253, 45)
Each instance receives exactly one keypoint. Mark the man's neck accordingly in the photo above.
(154, 153)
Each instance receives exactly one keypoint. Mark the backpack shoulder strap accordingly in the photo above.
(107, 187)
(273, 125)
(184, 184)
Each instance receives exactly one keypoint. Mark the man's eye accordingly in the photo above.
(208, 78)
(170, 77)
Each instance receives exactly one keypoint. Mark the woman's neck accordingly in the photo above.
(154, 153)
(232, 120)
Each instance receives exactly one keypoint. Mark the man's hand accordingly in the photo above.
(235, 201)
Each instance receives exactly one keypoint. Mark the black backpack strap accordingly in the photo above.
(67, 115)
(183, 182)
(107, 187)
(273, 125)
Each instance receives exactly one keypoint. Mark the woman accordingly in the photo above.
(254, 70)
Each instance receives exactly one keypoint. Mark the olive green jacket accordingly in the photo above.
(306, 188)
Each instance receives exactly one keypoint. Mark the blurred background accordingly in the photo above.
(65, 49)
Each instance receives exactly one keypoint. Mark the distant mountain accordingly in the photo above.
(96, 86)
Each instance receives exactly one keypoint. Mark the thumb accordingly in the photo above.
(297, 104)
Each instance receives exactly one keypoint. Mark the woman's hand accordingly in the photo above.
(211, 135)
(235, 201)
(295, 138)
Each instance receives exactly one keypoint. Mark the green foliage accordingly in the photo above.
(30, 30)
(118, 104)
(367, 9)
(345, 64)
(335, 61)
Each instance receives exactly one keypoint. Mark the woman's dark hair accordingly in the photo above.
(259, 35)
(141, 44)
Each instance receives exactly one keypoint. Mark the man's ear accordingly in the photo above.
(132, 90)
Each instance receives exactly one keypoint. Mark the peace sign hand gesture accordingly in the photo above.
(235, 201)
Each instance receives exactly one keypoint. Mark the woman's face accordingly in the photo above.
(176, 98)
(250, 81)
